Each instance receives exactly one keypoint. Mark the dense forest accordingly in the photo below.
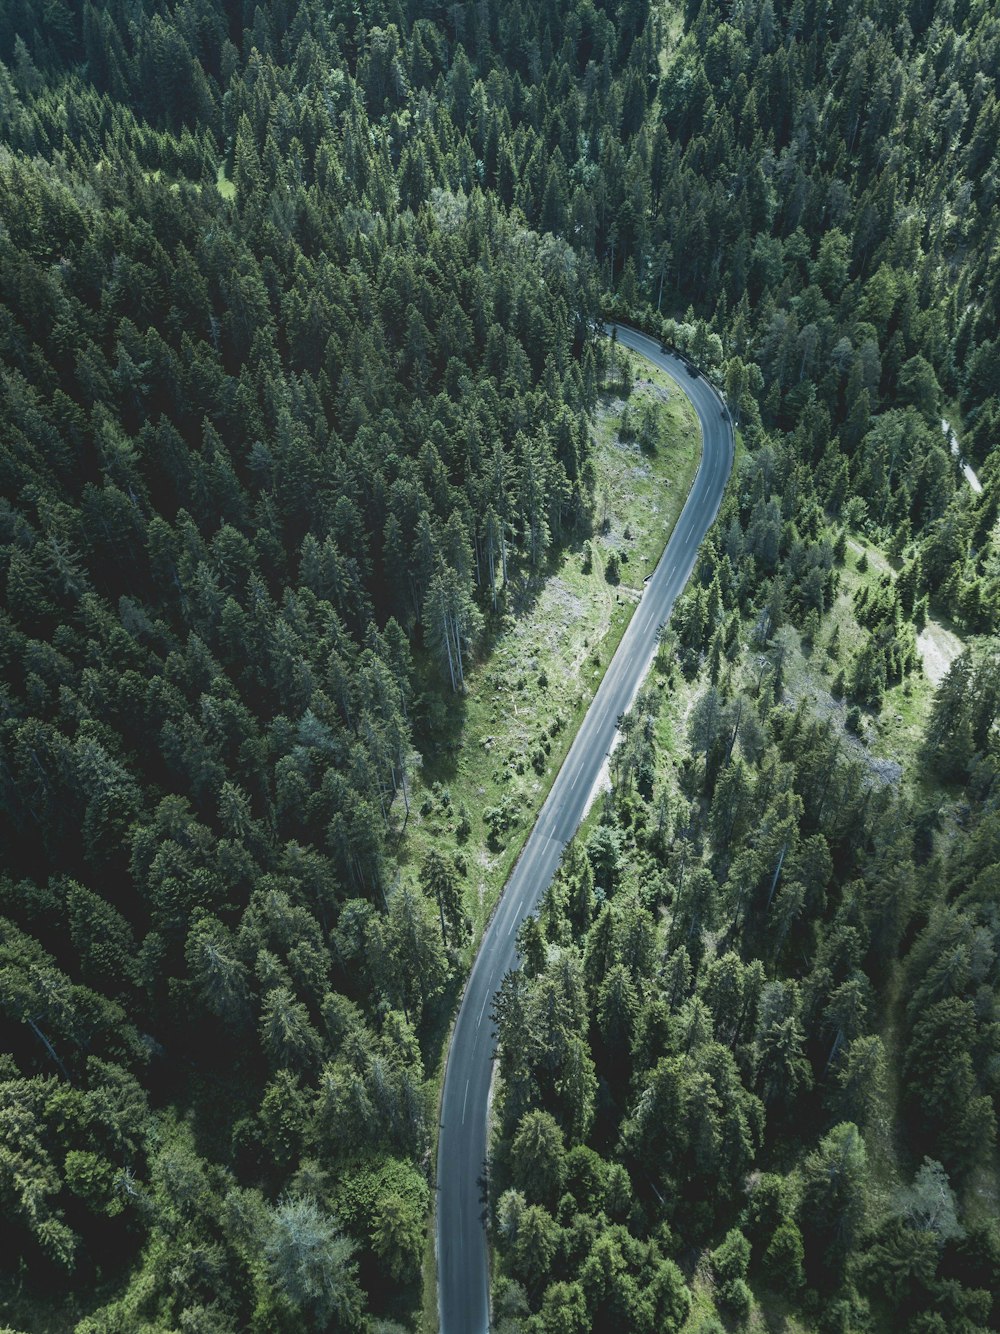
(753, 1043)
(297, 312)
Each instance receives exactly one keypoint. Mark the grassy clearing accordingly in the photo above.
(671, 31)
(702, 1298)
(890, 739)
(776, 1315)
(768, 1312)
(223, 184)
(886, 1154)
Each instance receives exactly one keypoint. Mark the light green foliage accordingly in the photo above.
(311, 1263)
(929, 1204)
(385, 1204)
(564, 1310)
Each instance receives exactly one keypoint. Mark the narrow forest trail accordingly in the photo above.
(461, 1240)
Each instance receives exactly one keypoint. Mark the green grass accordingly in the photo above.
(702, 1289)
(672, 30)
(223, 184)
(769, 1312)
(893, 733)
(888, 1165)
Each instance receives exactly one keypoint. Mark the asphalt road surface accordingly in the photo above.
(462, 1255)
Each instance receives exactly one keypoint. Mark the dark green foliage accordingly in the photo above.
(262, 456)
(269, 464)
(732, 1002)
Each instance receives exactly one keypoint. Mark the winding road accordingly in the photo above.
(461, 1244)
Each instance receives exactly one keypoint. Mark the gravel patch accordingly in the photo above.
(938, 649)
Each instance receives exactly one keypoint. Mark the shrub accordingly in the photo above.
(783, 1259)
(736, 1299)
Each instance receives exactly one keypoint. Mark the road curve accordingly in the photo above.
(461, 1245)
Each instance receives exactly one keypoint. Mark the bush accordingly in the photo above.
(708, 1324)
(736, 1299)
(612, 568)
(783, 1259)
(498, 819)
(442, 795)
(464, 827)
(732, 1259)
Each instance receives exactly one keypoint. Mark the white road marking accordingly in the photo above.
(465, 1101)
(483, 1010)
